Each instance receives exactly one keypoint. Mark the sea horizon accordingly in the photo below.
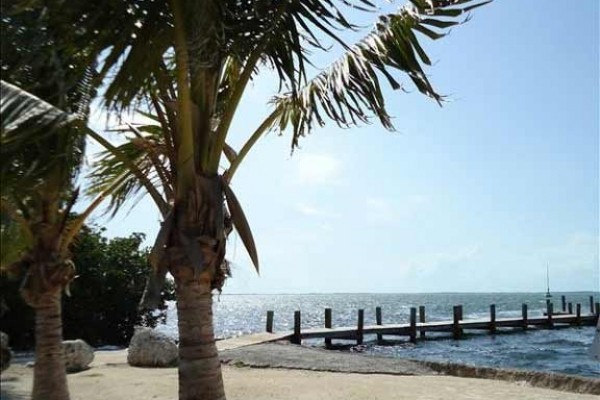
(224, 293)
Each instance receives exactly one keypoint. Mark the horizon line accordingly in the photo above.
(440, 292)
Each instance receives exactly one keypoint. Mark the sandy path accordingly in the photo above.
(111, 378)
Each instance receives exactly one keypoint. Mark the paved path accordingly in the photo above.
(249, 340)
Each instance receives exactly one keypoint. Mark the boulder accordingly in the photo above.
(6, 354)
(78, 355)
(149, 348)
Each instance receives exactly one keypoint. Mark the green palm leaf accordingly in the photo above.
(147, 153)
(349, 91)
(37, 140)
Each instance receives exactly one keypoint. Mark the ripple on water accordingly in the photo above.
(559, 350)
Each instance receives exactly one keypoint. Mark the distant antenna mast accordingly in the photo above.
(548, 295)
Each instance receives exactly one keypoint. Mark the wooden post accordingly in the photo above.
(297, 338)
(413, 324)
(455, 322)
(578, 312)
(563, 300)
(379, 321)
(597, 309)
(422, 320)
(524, 313)
(492, 318)
(570, 308)
(460, 316)
(270, 314)
(591, 304)
(359, 329)
(328, 325)
(549, 312)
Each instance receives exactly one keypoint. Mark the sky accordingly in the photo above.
(480, 195)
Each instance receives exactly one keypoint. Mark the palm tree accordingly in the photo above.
(192, 62)
(37, 227)
(42, 145)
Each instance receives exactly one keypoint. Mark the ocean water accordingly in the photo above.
(558, 350)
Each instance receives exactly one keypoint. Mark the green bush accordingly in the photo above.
(103, 306)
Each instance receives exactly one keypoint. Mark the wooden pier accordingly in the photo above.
(456, 327)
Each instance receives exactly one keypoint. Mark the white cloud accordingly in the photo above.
(312, 211)
(308, 210)
(441, 259)
(579, 250)
(318, 169)
(382, 209)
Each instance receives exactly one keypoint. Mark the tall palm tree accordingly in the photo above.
(192, 61)
(42, 145)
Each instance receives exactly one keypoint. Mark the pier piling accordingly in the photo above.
(297, 337)
(360, 327)
(379, 321)
(591, 304)
(413, 324)
(597, 309)
(524, 315)
(492, 318)
(563, 300)
(327, 325)
(570, 308)
(456, 322)
(270, 315)
(549, 312)
(578, 312)
(422, 320)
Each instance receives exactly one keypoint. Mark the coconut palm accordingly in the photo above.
(192, 62)
(42, 145)
(37, 227)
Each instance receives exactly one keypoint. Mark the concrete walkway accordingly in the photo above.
(250, 340)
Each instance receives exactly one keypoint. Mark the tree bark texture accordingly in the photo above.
(200, 375)
(49, 376)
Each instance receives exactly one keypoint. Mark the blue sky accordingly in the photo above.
(479, 195)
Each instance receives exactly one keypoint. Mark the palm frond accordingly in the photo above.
(15, 234)
(146, 152)
(37, 140)
(21, 113)
(349, 91)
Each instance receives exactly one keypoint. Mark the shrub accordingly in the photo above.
(103, 306)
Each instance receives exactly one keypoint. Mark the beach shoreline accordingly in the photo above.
(281, 370)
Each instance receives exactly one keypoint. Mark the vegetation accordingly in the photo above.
(42, 148)
(103, 306)
(189, 63)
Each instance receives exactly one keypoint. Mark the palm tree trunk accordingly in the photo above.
(49, 374)
(200, 375)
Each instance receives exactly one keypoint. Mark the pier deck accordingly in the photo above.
(351, 332)
(551, 319)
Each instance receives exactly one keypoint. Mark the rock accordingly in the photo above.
(78, 355)
(6, 354)
(149, 348)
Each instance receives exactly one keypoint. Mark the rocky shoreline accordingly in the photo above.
(287, 356)
(548, 380)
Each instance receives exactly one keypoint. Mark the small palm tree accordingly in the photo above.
(42, 145)
(37, 228)
(191, 61)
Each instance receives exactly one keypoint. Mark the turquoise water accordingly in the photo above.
(560, 350)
